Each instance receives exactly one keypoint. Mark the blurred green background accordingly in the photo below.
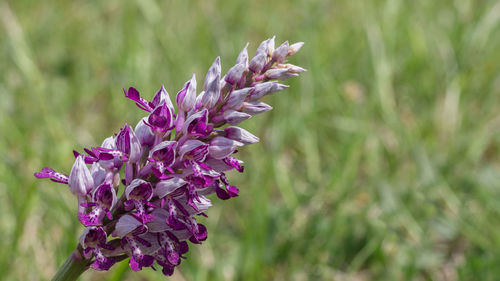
(380, 163)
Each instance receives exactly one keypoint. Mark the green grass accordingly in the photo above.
(380, 163)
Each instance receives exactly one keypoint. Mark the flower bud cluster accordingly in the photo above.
(170, 162)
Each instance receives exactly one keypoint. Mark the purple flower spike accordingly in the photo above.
(52, 175)
(80, 180)
(169, 175)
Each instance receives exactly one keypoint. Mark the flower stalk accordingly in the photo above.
(73, 267)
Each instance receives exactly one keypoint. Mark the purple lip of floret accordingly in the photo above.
(171, 162)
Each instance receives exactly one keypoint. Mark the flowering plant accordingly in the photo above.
(170, 162)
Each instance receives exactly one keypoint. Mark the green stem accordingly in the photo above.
(73, 267)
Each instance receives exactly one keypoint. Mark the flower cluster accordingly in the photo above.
(170, 162)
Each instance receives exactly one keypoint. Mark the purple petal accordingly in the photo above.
(93, 236)
(221, 147)
(105, 195)
(125, 225)
(161, 97)
(164, 152)
(102, 263)
(232, 190)
(98, 174)
(134, 95)
(161, 119)
(166, 187)
(144, 133)
(52, 175)
(196, 124)
(235, 163)
(123, 140)
(139, 190)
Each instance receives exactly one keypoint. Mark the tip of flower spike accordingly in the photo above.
(294, 48)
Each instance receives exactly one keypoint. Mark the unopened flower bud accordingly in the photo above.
(211, 85)
(162, 97)
(292, 68)
(257, 63)
(294, 48)
(236, 98)
(241, 135)
(144, 133)
(255, 107)
(80, 179)
(243, 57)
(279, 74)
(281, 52)
(187, 96)
(139, 190)
(234, 74)
(235, 117)
(266, 88)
